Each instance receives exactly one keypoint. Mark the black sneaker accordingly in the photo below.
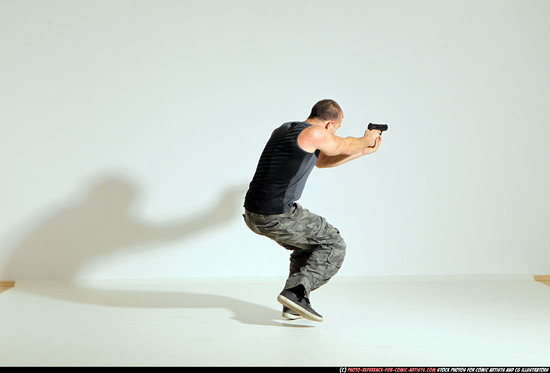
(291, 314)
(300, 305)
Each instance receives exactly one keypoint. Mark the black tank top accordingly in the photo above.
(282, 172)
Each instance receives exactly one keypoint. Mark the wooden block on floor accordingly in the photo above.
(6, 285)
(543, 279)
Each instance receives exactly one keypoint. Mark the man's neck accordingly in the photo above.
(315, 122)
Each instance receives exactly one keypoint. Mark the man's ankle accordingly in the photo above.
(299, 290)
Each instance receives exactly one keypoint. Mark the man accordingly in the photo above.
(270, 204)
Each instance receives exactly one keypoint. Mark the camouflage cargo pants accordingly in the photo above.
(318, 250)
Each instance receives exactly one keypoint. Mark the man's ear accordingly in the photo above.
(328, 124)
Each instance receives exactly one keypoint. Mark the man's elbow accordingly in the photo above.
(324, 164)
(321, 162)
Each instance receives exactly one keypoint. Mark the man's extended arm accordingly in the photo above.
(337, 150)
(326, 161)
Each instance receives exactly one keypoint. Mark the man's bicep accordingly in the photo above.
(326, 142)
(331, 145)
(313, 139)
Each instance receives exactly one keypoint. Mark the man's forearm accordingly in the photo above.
(326, 161)
(352, 145)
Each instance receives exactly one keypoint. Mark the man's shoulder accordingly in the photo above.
(314, 132)
(312, 137)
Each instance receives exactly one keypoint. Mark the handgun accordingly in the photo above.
(380, 127)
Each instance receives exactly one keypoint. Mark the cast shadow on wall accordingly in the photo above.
(104, 223)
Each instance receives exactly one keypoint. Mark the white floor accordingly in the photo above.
(438, 321)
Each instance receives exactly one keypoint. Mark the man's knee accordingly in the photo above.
(338, 242)
(341, 244)
(338, 252)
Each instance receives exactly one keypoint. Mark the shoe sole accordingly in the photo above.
(292, 316)
(302, 311)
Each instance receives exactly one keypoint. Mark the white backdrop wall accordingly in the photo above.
(129, 131)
